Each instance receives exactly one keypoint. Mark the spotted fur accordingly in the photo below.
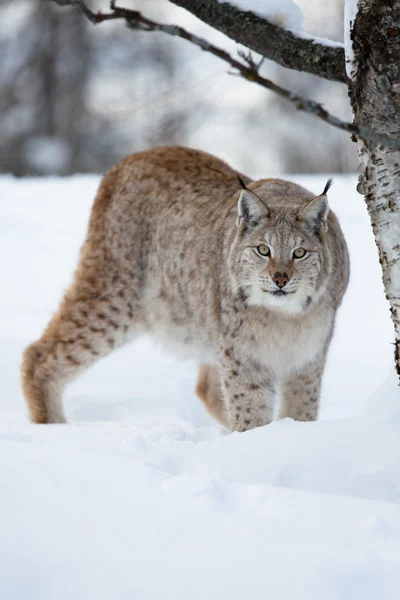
(172, 250)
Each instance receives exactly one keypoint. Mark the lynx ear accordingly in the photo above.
(315, 212)
(250, 207)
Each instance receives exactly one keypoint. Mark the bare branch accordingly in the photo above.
(247, 69)
(269, 40)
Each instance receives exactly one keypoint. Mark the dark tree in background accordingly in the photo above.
(54, 75)
(75, 98)
(43, 76)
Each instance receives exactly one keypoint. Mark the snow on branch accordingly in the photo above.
(303, 35)
(289, 49)
(246, 67)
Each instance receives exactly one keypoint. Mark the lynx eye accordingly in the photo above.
(299, 252)
(263, 250)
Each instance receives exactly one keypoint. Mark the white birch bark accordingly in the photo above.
(375, 95)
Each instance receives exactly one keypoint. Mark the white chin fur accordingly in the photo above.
(292, 303)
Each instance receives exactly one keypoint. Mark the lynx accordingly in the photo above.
(246, 277)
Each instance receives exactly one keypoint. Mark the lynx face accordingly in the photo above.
(278, 257)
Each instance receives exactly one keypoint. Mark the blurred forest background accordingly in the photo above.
(76, 98)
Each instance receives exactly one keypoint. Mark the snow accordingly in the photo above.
(284, 13)
(350, 13)
(142, 496)
(317, 40)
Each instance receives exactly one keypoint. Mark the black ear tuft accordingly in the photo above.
(327, 187)
(241, 182)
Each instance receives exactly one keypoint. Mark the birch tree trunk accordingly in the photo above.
(375, 97)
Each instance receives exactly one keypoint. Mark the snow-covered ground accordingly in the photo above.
(143, 497)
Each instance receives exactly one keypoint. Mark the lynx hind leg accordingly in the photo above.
(208, 389)
(86, 328)
(98, 313)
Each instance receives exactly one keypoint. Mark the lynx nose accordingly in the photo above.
(280, 279)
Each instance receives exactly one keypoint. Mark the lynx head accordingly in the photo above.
(279, 257)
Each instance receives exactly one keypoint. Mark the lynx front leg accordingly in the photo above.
(248, 391)
(300, 393)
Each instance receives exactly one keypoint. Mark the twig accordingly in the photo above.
(247, 69)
